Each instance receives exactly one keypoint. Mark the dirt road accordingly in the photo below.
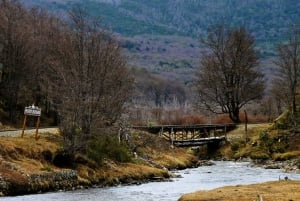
(18, 133)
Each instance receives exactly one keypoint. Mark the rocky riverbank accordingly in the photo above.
(290, 166)
(13, 182)
(27, 166)
(35, 183)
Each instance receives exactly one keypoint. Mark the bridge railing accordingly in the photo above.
(188, 132)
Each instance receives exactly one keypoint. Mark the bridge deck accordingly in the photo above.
(198, 142)
(167, 128)
(190, 135)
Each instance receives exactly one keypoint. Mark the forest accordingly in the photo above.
(77, 72)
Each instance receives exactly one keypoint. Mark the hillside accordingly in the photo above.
(267, 19)
(163, 36)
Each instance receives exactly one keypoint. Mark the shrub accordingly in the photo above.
(235, 146)
(108, 147)
(47, 169)
(47, 155)
(282, 122)
(63, 159)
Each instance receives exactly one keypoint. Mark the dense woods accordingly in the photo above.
(74, 71)
(62, 63)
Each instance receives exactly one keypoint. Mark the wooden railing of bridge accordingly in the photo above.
(190, 135)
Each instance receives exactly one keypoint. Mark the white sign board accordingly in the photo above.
(33, 111)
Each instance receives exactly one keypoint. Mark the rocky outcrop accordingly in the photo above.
(286, 166)
(53, 181)
(43, 182)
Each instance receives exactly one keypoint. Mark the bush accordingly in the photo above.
(235, 146)
(63, 159)
(47, 155)
(47, 169)
(108, 147)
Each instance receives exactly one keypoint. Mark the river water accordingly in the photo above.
(202, 178)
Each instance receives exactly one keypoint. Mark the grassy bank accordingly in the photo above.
(29, 164)
(263, 144)
(269, 191)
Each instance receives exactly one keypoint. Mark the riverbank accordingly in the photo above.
(263, 146)
(268, 191)
(27, 166)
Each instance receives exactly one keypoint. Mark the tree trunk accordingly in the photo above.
(234, 116)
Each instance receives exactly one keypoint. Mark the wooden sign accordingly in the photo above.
(32, 111)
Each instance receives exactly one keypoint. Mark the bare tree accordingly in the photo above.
(88, 79)
(228, 77)
(280, 95)
(288, 69)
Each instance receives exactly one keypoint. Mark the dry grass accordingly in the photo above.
(133, 171)
(28, 154)
(112, 173)
(238, 147)
(286, 156)
(269, 191)
(11, 175)
(175, 159)
(252, 129)
(264, 142)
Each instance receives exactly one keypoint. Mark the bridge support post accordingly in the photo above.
(172, 136)
(161, 132)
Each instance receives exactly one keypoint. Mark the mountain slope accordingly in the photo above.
(163, 36)
(186, 17)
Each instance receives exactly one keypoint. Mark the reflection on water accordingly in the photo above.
(202, 178)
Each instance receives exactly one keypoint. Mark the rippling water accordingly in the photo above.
(202, 178)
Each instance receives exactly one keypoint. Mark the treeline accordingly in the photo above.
(55, 64)
(71, 68)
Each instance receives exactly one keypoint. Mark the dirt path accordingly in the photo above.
(18, 133)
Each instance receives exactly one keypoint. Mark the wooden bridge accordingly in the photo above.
(190, 135)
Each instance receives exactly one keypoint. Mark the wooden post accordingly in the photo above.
(119, 135)
(32, 111)
(246, 128)
(161, 132)
(24, 125)
(37, 127)
(172, 136)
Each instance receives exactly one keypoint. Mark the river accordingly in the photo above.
(202, 178)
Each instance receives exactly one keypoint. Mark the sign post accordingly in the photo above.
(32, 111)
